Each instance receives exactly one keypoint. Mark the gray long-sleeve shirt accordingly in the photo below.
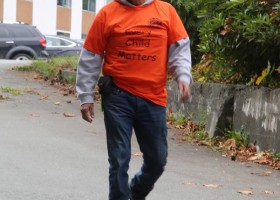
(89, 66)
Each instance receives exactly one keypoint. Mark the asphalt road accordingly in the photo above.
(45, 155)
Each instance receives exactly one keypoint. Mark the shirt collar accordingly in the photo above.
(129, 4)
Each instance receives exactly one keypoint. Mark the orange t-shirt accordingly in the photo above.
(135, 43)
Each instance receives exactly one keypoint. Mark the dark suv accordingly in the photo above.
(21, 42)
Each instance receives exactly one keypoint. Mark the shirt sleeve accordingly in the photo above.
(177, 30)
(88, 71)
(179, 60)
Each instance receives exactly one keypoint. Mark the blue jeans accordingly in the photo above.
(124, 112)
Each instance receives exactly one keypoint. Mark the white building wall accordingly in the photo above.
(100, 4)
(44, 15)
(76, 19)
(10, 11)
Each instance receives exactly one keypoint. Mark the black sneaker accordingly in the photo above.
(133, 198)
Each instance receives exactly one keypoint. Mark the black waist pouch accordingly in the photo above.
(105, 84)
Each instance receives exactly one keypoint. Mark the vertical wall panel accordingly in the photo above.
(1, 10)
(63, 21)
(76, 19)
(44, 15)
(24, 11)
(9, 11)
(87, 21)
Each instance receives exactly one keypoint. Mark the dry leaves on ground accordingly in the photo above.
(44, 97)
(212, 185)
(2, 97)
(228, 147)
(188, 183)
(34, 115)
(265, 173)
(268, 192)
(137, 154)
(246, 192)
(69, 115)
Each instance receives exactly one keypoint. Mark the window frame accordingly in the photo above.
(64, 3)
(87, 5)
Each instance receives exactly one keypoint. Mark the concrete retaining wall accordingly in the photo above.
(255, 110)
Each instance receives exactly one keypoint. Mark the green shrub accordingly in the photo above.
(242, 36)
(187, 11)
(241, 138)
(239, 39)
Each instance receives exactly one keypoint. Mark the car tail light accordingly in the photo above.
(43, 42)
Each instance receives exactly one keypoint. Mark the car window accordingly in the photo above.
(51, 41)
(4, 33)
(22, 32)
(65, 43)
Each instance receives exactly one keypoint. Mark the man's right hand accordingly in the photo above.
(87, 112)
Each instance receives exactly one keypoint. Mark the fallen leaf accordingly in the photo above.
(34, 115)
(265, 173)
(44, 97)
(246, 192)
(212, 185)
(269, 192)
(256, 157)
(36, 77)
(263, 160)
(2, 97)
(69, 115)
(188, 183)
(229, 145)
(137, 154)
(265, 72)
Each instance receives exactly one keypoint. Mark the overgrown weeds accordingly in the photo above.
(10, 90)
(51, 68)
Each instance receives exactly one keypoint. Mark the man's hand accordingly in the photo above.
(184, 91)
(87, 112)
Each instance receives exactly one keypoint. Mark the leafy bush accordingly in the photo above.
(239, 39)
(187, 11)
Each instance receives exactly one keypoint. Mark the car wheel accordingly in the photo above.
(22, 56)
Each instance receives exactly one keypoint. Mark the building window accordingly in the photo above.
(65, 34)
(84, 36)
(89, 5)
(64, 3)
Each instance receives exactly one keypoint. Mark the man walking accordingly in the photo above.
(136, 43)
